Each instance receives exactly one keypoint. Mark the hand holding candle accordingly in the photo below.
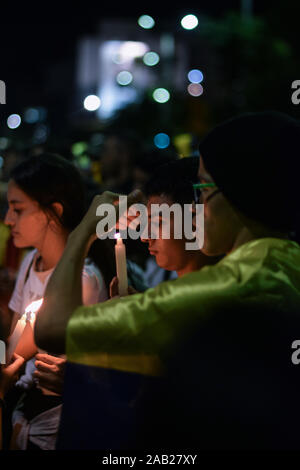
(120, 252)
(28, 316)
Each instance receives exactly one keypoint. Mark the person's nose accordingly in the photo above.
(145, 237)
(9, 218)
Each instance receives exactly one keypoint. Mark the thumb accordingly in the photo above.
(132, 198)
(18, 362)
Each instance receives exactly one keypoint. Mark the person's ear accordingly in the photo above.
(58, 210)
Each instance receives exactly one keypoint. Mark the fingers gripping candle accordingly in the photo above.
(120, 252)
(28, 316)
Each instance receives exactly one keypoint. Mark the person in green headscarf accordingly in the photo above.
(248, 179)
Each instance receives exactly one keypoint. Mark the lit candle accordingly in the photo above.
(28, 316)
(120, 252)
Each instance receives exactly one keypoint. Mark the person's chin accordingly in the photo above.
(19, 243)
(208, 249)
(163, 264)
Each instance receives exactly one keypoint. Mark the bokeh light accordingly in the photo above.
(124, 78)
(92, 102)
(13, 121)
(31, 115)
(4, 143)
(161, 140)
(195, 89)
(189, 22)
(195, 76)
(161, 95)
(146, 21)
(78, 148)
(40, 134)
(151, 58)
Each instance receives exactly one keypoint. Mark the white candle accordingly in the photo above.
(120, 252)
(28, 316)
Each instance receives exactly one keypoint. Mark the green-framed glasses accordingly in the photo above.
(199, 186)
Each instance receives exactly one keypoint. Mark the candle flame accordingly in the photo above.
(34, 306)
(117, 236)
(30, 311)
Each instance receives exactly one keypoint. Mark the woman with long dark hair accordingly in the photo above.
(46, 201)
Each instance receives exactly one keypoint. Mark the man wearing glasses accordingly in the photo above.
(232, 385)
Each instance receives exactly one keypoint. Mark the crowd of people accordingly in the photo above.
(198, 354)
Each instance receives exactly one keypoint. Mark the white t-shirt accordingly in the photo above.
(33, 288)
(93, 286)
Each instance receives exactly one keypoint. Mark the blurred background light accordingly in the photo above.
(92, 102)
(189, 22)
(127, 51)
(97, 139)
(13, 121)
(146, 21)
(195, 76)
(1, 162)
(195, 89)
(161, 95)
(31, 115)
(161, 140)
(78, 148)
(183, 144)
(124, 78)
(151, 58)
(4, 143)
(40, 134)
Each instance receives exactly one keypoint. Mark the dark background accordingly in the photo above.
(38, 57)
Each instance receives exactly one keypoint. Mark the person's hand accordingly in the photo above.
(50, 372)
(114, 290)
(10, 374)
(91, 219)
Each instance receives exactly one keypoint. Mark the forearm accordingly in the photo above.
(63, 294)
(26, 347)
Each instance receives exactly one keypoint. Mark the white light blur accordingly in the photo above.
(195, 76)
(92, 102)
(13, 121)
(195, 89)
(151, 58)
(124, 78)
(146, 21)
(189, 22)
(128, 51)
(161, 95)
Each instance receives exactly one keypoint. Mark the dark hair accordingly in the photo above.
(50, 178)
(151, 159)
(175, 180)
